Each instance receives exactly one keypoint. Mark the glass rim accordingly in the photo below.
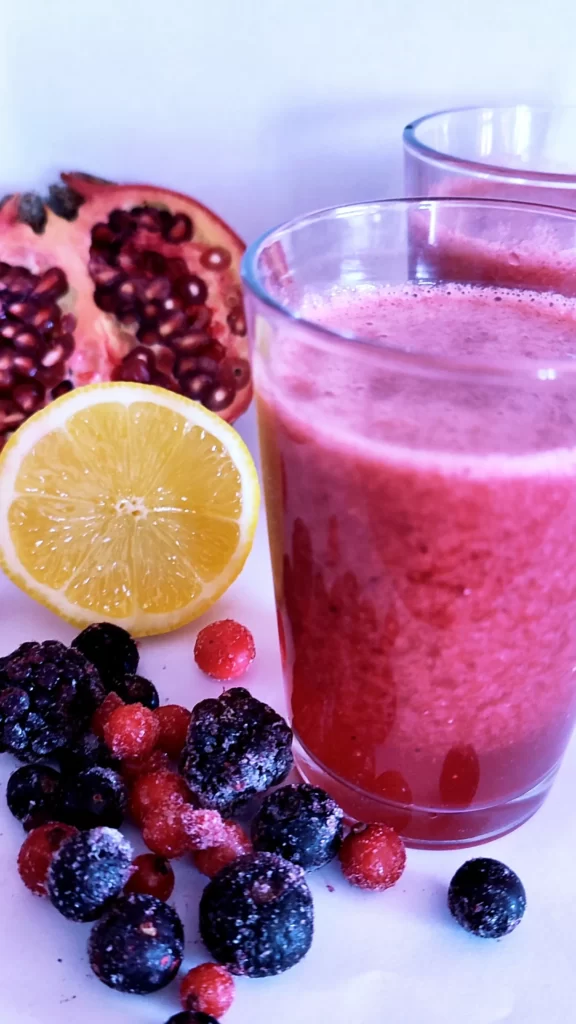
(415, 360)
(515, 175)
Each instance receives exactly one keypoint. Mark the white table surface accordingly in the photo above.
(390, 958)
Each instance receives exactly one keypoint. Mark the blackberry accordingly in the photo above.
(138, 945)
(88, 751)
(257, 916)
(236, 747)
(137, 690)
(50, 694)
(97, 796)
(192, 1017)
(34, 795)
(88, 871)
(110, 648)
(300, 823)
(487, 898)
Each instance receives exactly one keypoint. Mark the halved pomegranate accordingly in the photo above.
(118, 282)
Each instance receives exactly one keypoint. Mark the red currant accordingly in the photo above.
(151, 875)
(224, 650)
(204, 828)
(37, 852)
(173, 721)
(134, 767)
(131, 731)
(110, 703)
(159, 789)
(164, 830)
(373, 857)
(208, 988)
(235, 844)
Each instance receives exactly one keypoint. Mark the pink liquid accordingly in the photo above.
(424, 547)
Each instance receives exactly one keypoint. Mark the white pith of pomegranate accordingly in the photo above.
(143, 284)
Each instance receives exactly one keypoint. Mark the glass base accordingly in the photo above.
(425, 828)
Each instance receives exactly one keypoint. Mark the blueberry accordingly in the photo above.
(137, 690)
(236, 747)
(34, 795)
(88, 871)
(257, 916)
(110, 648)
(138, 945)
(487, 898)
(300, 823)
(97, 796)
(48, 694)
(88, 751)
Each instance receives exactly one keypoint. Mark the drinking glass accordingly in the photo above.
(415, 374)
(521, 153)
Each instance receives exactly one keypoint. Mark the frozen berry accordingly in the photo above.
(110, 704)
(191, 1017)
(208, 988)
(137, 690)
(138, 945)
(97, 796)
(235, 844)
(373, 857)
(50, 694)
(110, 648)
(134, 767)
(89, 751)
(131, 731)
(36, 854)
(487, 898)
(204, 828)
(34, 795)
(236, 747)
(300, 823)
(174, 721)
(157, 789)
(164, 830)
(256, 916)
(152, 875)
(88, 871)
(224, 650)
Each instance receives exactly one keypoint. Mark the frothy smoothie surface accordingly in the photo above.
(424, 545)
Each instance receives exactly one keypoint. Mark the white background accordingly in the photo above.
(262, 108)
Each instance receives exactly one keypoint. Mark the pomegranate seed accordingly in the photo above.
(173, 721)
(180, 230)
(51, 376)
(19, 281)
(196, 385)
(216, 259)
(173, 323)
(105, 299)
(213, 350)
(121, 222)
(25, 366)
(36, 854)
(68, 323)
(240, 370)
(134, 370)
(234, 844)
(131, 731)
(9, 330)
(372, 857)
(62, 389)
(158, 789)
(151, 875)
(10, 416)
(20, 309)
(126, 290)
(46, 318)
(53, 282)
(208, 989)
(102, 236)
(176, 268)
(237, 321)
(154, 263)
(156, 290)
(55, 354)
(219, 398)
(29, 397)
(102, 273)
(164, 358)
(224, 650)
(7, 379)
(200, 318)
(192, 289)
(151, 311)
(27, 340)
(148, 218)
(128, 261)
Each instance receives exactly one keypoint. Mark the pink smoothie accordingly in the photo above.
(424, 545)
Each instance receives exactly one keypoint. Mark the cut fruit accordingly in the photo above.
(126, 503)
